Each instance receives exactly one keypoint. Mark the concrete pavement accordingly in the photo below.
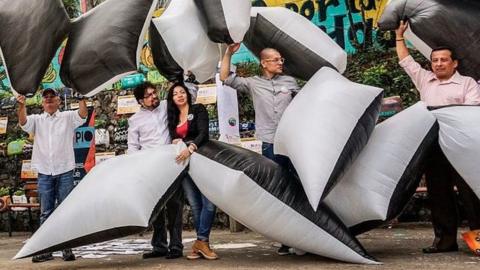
(398, 248)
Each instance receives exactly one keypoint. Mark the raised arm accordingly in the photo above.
(226, 61)
(402, 50)
(22, 110)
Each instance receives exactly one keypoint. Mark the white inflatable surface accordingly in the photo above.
(181, 27)
(366, 190)
(244, 200)
(317, 124)
(119, 192)
(459, 139)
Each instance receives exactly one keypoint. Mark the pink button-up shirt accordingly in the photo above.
(456, 90)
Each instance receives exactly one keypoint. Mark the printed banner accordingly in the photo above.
(27, 171)
(84, 147)
(100, 157)
(207, 94)
(127, 104)
(252, 145)
(3, 125)
(228, 118)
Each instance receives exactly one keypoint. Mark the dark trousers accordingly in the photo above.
(174, 215)
(441, 177)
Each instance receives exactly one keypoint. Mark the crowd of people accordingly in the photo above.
(178, 120)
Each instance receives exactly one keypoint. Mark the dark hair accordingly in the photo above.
(139, 91)
(173, 113)
(441, 48)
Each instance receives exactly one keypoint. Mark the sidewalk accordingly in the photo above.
(397, 248)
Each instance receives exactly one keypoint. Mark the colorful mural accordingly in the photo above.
(348, 22)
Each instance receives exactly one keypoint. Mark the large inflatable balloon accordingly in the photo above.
(386, 174)
(436, 23)
(324, 129)
(227, 20)
(162, 58)
(105, 44)
(118, 197)
(305, 47)
(261, 195)
(30, 34)
(181, 28)
(459, 139)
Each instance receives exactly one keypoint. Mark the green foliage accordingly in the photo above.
(4, 191)
(380, 68)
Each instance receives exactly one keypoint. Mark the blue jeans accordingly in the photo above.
(202, 209)
(52, 190)
(267, 151)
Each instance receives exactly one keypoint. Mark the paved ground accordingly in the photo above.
(398, 248)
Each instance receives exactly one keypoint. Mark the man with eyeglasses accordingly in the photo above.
(147, 129)
(271, 93)
(52, 155)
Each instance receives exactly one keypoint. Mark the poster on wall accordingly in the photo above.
(127, 105)
(3, 125)
(27, 171)
(207, 94)
(84, 147)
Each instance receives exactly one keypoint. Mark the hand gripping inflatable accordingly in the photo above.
(385, 175)
(459, 138)
(440, 23)
(332, 117)
(227, 20)
(181, 28)
(30, 34)
(162, 58)
(119, 197)
(305, 47)
(105, 44)
(257, 192)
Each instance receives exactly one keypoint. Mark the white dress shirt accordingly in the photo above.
(148, 129)
(53, 142)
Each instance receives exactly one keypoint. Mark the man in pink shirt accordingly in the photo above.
(440, 87)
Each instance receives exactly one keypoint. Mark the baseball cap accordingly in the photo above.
(49, 91)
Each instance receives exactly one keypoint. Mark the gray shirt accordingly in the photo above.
(270, 99)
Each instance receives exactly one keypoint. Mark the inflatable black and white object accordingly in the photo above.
(105, 44)
(181, 27)
(227, 20)
(162, 58)
(459, 139)
(305, 47)
(436, 23)
(118, 197)
(30, 34)
(258, 193)
(333, 118)
(386, 174)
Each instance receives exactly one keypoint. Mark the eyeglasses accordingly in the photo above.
(276, 60)
(153, 94)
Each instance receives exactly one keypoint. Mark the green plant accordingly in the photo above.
(4, 191)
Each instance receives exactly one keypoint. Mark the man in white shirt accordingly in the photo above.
(147, 129)
(52, 155)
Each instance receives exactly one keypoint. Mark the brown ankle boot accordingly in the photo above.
(203, 248)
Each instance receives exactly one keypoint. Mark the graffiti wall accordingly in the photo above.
(350, 23)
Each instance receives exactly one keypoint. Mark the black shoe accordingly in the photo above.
(435, 249)
(42, 257)
(283, 250)
(154, 254)
(68, 255)
(174, 254)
